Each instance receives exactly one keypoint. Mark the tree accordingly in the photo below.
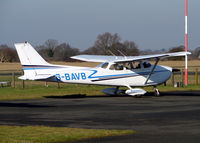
(64, 51)
(42, 51)
(130, 48)
(7, 54)
(93, 51)
(196, 53)
(50, 46)
(106, 42)
(47, 49)
(176, 49)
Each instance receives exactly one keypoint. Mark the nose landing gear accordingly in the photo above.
(156, 92)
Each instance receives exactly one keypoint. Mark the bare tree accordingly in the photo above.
(50, 45)
(47, 49)
(196, 53)
(93, 51)
(130, 48)
(176, 49)
(7, 54)
(42, 51)
(63, 52)
(106, 42)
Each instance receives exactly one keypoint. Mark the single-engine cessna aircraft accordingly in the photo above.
(119, 71)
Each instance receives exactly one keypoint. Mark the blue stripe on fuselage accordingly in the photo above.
(139, 73)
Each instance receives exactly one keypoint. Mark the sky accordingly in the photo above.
(151, 24)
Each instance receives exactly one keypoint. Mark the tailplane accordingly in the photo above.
(30, 61)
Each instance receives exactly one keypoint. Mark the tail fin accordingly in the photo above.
(28, 55)
(30, 60)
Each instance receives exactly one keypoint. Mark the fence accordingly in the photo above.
(176, 79)
(179, 77)
(12, 78)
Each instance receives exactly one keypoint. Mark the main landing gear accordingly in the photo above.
(117, 91)
(136, 92)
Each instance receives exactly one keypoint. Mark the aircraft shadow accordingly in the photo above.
(149, 94)
(84, 96)
(7, 104)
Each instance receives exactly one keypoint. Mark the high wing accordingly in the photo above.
(121, 59)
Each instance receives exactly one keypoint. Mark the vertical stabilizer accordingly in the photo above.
(30, 60)
(28, 55)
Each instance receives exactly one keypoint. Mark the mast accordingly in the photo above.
(186, 42)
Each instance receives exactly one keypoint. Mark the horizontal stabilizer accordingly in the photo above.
(37, 77)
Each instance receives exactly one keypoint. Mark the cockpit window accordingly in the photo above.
(137, 65)
(116, 67)
(146, 64)
(104, 65)
(129, 65)
(133, 65)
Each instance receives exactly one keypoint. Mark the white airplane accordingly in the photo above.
(119, 71)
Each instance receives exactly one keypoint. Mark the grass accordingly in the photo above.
(35, 89)
(168, 88)
(40, 91)
(42, 134)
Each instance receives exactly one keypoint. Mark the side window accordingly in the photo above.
(112, 67)
(146, 64)
(116, 67)
(104, 65)
(137, 65)
(119, 67)
(129, 65)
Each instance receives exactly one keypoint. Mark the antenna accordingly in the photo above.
(122, 54)
(112, 54)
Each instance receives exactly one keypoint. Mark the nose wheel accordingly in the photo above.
(156, 92)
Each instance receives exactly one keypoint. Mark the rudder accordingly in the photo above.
(30, 59)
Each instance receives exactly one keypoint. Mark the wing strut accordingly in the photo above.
(152, 70)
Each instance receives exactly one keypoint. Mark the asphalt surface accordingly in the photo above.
(173, 117)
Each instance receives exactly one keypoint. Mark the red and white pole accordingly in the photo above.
(186, 42)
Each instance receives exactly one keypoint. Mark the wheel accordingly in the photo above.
(157, 92)
(116, 91)
(138, 96)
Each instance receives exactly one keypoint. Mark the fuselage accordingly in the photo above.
(107, 76)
